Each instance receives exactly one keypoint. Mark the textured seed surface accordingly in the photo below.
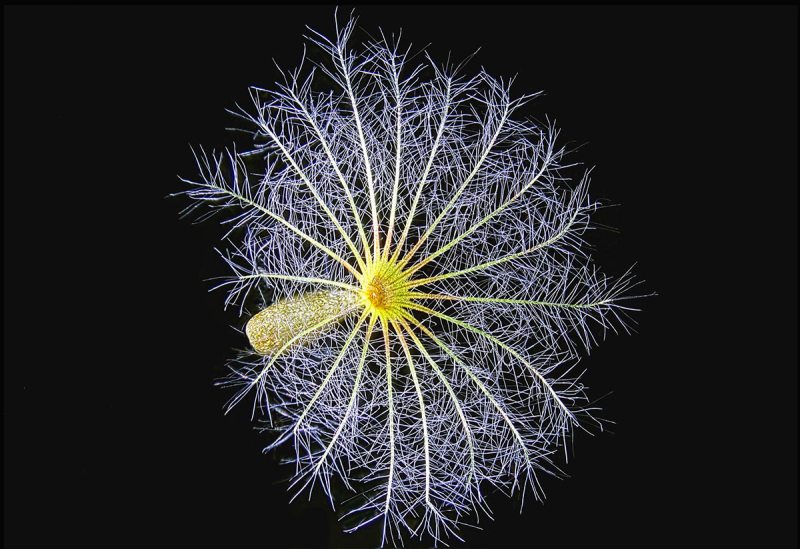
(273, 327)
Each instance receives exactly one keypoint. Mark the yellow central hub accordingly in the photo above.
(383, 290)
(378, 294)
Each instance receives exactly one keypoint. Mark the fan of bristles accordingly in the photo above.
(427, 292)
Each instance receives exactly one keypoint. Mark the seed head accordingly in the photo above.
(415, 251)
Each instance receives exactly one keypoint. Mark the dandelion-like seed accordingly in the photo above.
(419, 252)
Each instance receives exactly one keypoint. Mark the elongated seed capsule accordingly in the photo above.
(273, 327)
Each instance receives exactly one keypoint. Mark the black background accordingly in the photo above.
(114, 432)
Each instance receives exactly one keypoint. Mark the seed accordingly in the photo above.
(273, 327)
